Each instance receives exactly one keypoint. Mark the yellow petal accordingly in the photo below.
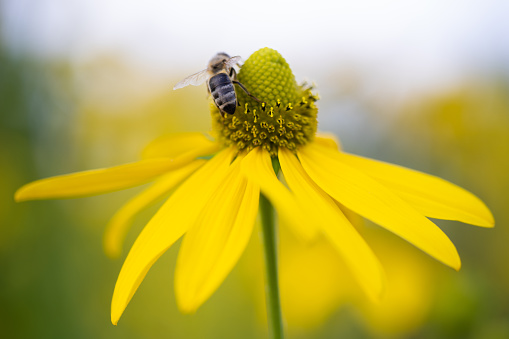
(98, 181)
(171, 221)
(356, 220)
(257, 166)
(214, 244)
(367, 197)
(327, 140)
(175, 145)
(432, 196)
(333, 223)
(118, 226)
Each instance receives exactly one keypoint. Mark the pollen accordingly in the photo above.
(285, 115)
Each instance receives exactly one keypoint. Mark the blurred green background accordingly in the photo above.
(75, 96)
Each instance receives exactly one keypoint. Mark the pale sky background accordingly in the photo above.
(398, 49)
(414, 42)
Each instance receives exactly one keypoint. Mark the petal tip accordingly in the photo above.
(490, 220)
(186, 306)
(114, 317)
(486, 220)
(453, 260)
(21, 194)
(185, 299)
(484, 215)
(112, 246)
(455, 264)
(488, 224)
(112, 252)
(116, 313)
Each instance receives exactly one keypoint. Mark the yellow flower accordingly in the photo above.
(405, 305)
(218, 184)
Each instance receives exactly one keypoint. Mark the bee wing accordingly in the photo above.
(233, 61)
(194, 79)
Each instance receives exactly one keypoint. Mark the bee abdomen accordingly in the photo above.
(223, 93)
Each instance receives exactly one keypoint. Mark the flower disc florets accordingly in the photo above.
(285, 118)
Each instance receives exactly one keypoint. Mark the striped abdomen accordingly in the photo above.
(223, 93)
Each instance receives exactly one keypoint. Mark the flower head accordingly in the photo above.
(287, 116)
(215, 202)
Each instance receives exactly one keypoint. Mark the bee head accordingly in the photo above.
(216, 64)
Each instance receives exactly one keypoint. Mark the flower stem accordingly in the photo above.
(275, 321)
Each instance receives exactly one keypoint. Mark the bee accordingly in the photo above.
(220, 76)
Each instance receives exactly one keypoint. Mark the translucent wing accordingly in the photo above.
(233, 61)
(195, 79)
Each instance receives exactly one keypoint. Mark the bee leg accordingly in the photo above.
(247, 92)
(233, 74)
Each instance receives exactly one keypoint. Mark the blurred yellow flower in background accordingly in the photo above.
(325, 285)
(317, 287)
(218, 184)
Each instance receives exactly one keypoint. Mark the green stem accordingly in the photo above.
(275, 321)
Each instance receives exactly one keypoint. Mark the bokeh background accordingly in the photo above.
(86, 84)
